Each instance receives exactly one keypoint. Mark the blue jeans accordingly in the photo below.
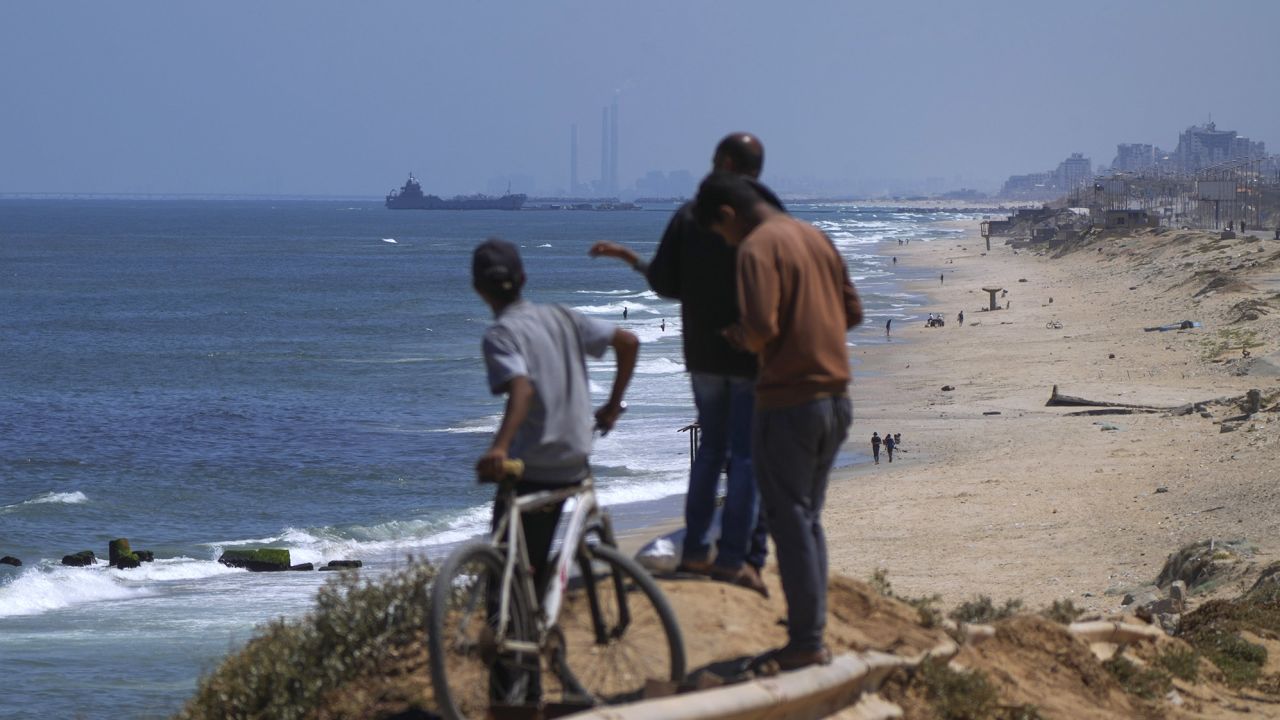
(794, 449)
(725, 407)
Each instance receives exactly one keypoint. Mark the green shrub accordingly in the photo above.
(926, 605)
(982, 610)
(1147, 683)
(1240, 661)
(1062, 611)
(355, 630)
(958, 695)
(1183, 664)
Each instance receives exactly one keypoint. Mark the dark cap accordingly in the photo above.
(496, 263)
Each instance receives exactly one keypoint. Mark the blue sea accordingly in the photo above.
(197, 376)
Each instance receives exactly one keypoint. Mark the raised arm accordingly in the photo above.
(605, 248)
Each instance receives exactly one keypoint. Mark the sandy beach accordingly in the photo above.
(998, 494)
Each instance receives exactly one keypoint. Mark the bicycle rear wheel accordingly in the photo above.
(619, 630)
(469, 672)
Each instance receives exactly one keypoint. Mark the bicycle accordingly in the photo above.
(488, 636)
(1053, 325)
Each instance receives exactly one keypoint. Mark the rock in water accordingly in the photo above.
(10, 560)
(342, 564)
(127, 562)
(80, 559)
(116, 548)
(260, 560)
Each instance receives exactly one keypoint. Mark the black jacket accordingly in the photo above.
(696, 267)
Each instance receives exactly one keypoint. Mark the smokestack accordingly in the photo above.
(604, 150)
(613, 148)
(573, 159)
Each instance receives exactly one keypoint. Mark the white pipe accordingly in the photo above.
(1120, 633)
(814, 692)
(822, 690)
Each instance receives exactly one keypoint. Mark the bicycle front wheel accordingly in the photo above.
(619, 630)
(470, 671)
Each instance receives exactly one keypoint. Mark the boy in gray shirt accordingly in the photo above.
(535, 355)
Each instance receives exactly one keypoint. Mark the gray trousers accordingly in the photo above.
(793, 449)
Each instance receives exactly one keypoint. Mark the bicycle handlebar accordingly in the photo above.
(512, 469)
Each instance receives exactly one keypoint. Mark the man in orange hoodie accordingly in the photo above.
(796, 303)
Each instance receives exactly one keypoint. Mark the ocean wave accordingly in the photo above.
(47, 587)
(623, 493)
(641, 294)
(43, 589)
(51, 498)
(479, 426)
(659, 366)
(319, 545)
(616, 309)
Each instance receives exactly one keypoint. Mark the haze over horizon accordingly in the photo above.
(328, 98)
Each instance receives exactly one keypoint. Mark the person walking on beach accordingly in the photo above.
(941, 278)
(624, 312)
(875, 446)
(889, 445)
(535, 355)
(960, 317)
(796, 304)
(696, 267)
(887, 324)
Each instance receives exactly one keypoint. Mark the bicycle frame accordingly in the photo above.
(508, 533)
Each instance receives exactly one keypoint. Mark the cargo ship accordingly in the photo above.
(410, 197)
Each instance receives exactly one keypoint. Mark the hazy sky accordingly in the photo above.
(344, 98)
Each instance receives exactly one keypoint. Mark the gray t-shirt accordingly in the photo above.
(546, 344)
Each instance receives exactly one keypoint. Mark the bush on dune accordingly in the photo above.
(291, 667)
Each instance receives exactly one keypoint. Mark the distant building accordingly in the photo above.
(1135, 157)
(1033, 186)
(1073, 173)
(1202, 146)
(1128, 219)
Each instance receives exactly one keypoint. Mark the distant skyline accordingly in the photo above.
(318, 97)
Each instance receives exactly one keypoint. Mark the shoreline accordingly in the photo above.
(1029, 502)
(1022, 500)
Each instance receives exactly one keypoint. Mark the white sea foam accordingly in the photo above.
(639, 295)
(45, 588)
(388, 240)
(616, 309)
(545, 245)
(659, 366)
(56, 498)
(485, 425)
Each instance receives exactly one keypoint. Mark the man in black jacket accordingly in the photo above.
(696, 267)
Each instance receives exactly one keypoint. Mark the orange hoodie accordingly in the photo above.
(796, 303)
